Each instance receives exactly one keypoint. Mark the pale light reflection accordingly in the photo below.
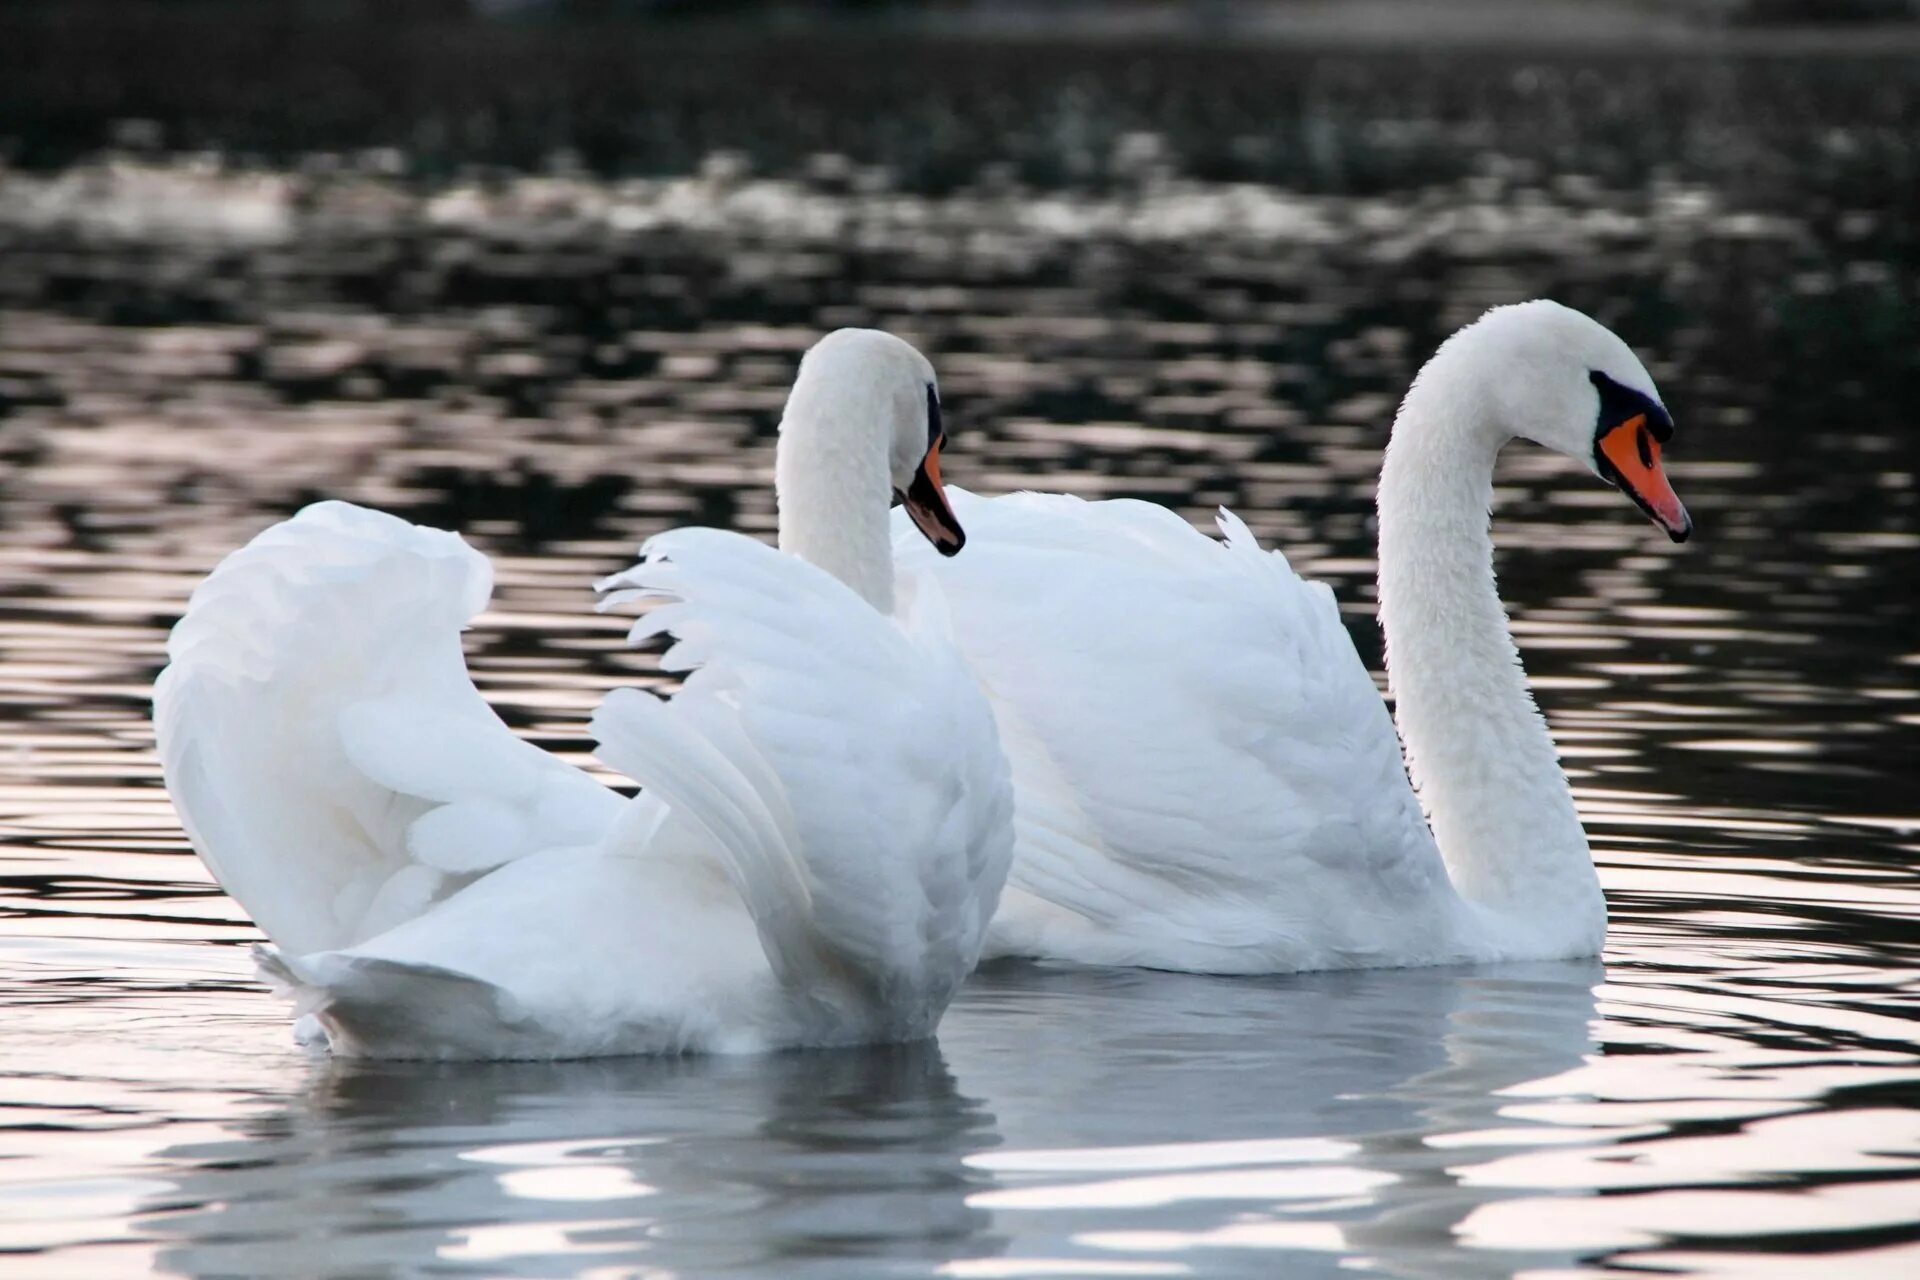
(575, 1182)
(499, 1243)
(1612, 1223)
(1321, 1182)
(1852, 1142)
(1187, 1155)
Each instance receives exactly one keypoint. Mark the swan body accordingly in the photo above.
(826, 815)
(1205, 776)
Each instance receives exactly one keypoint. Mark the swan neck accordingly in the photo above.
(833, 490)
(1477, 748)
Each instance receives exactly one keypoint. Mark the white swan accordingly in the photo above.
(1205, 777)
(827, 817)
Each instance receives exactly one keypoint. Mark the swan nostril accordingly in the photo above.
(1645, 442)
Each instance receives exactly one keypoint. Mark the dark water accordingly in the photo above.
(191, 347)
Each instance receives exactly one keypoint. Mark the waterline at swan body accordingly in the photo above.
(825, 823)
(1206, 778)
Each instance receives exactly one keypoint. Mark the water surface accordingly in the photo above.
(558, 365)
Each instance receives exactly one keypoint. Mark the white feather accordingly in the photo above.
(820, 848)
(1205, 777)
(1194, 743)
(316, 724)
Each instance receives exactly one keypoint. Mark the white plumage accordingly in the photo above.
(1205, 776)
(820, 844)
(329, 756)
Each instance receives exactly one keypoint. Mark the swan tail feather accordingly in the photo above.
(373, 1007)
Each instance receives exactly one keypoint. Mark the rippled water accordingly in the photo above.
(560, 366)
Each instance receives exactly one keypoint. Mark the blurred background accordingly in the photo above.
(541, 270)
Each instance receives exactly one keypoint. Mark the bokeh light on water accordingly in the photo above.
(558, 365)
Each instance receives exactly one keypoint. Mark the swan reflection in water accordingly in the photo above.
(1067, 1121)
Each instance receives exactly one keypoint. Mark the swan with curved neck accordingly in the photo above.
(1476, 745)
(1206, 778)
(806, 865)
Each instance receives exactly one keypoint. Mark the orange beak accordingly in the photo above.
(927, 505)
(1630, 458)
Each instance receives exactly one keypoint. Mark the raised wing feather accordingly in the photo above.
(322, 741)
(845, 766)
(1205, 775)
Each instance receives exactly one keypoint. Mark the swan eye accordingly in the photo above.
(1620, 404)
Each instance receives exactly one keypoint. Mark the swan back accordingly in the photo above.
(1205, 775)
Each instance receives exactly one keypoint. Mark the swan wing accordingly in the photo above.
(1205, 774)
(324, 746)
(842, 764)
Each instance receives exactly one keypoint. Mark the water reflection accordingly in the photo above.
(561, 365)
(1067, 1119)
(793, 1163)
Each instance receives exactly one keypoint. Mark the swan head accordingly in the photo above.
(855, 377)
(1565, 381)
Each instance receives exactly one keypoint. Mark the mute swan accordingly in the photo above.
(1205, 777)
(827, 817)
